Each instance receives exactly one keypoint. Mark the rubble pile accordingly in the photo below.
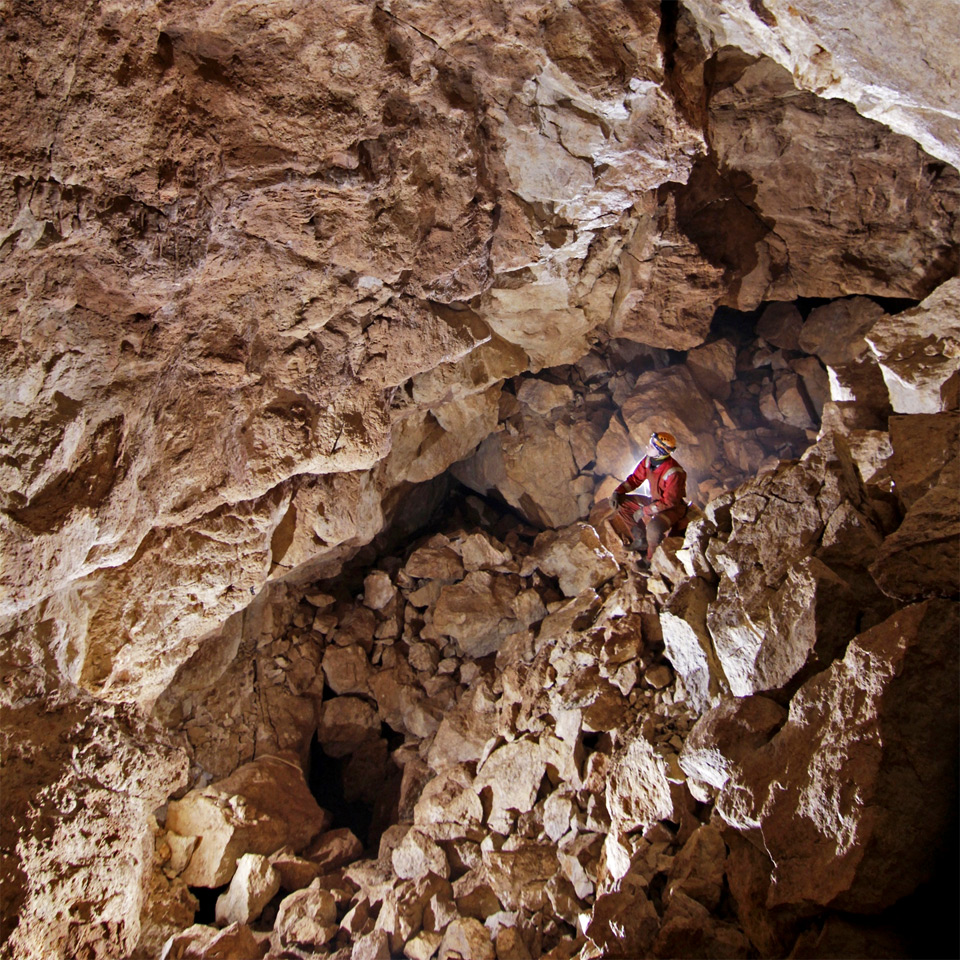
(563, 756)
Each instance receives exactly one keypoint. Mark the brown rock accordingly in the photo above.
(435, 560)
(728, 733)
(922, 557)
(780, 325)
(623, 924)
(689, 930)
(697, 870)
(713, 366)
(307, 918)
(477, 612)
(466, 939)
(235, 942)
(575, 556)
(258, 809)
(253, 885)
(335, 848)
(346, 723)
(870, 843)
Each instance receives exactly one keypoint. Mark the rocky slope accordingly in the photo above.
(276, 280)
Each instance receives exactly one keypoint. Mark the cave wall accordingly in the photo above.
(263, 269)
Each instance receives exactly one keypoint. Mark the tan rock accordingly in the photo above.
(373, 946)
(466, 939)
(512, 773)
(423, 946)
(480, 552)
(435, 560)
(346, 723)
(417, 855)
(919, 350)
(477, 612)
(534, 472)
(307, 918)
(252, 887)
(688, 928)
(346, 669)
(826, 845)
(378, 589)
(575, 556)
(295, 872)
(335, 848)
(713, 366)
(687, 642)
(259, 808)
(638, 792)
(542, 396)
(208, 943)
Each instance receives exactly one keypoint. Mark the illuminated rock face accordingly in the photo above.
(267, 274)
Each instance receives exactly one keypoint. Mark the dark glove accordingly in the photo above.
(616, 499)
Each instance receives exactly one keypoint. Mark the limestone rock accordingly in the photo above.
(688, 929)
(881, 711)
(307, 918)
(780, 325)
(764, 641)
(687, 641)
(623, 924)
(919, 350)
(922, 557)
(713, 366)
(346, 723)
(638, 792)
(924, 450)
(253, 885)
(837, 332)
(575, 556)
(295, 872)
(257, 809)
(466, 939)
(697, 870)
(541, 396)
(816, 48)
(512, 773)
(418, 855)
(726, 734)
(477, 612)
(534, 472)
(435, 560)
(378, 590)
(346, 669)
(335, 848)
(199, 942)
(481, 552)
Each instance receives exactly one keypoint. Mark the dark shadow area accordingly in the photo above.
(207, 903)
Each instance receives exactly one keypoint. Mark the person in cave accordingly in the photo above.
(643, 521)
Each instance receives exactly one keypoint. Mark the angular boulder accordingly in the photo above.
(852, 796)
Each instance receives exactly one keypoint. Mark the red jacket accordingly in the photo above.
(668, 483)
